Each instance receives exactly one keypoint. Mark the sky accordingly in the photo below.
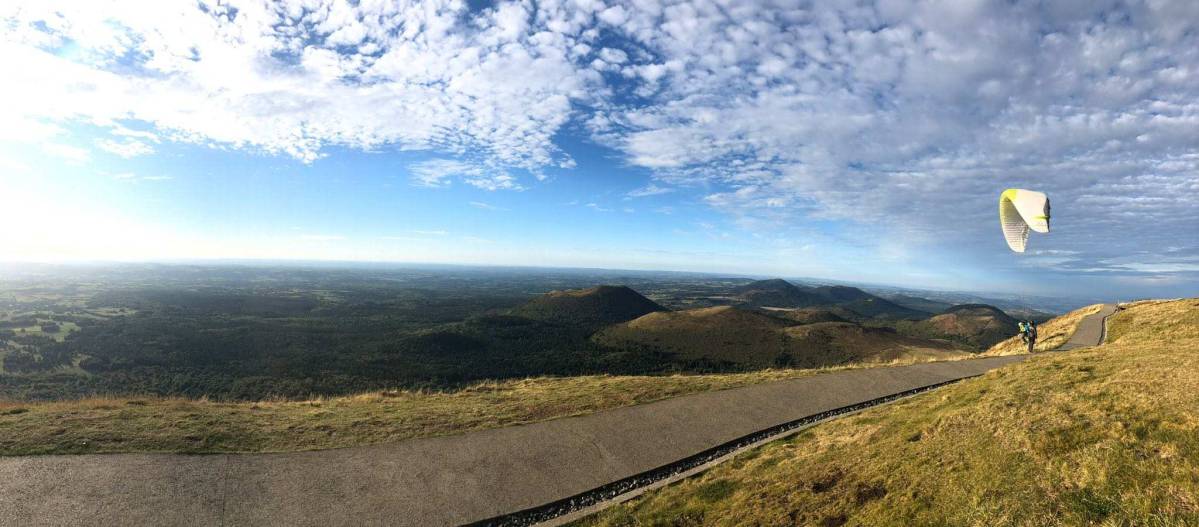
(863, 141)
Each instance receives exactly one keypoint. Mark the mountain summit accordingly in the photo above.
(781, 293)
(777, 292)
(591, 308)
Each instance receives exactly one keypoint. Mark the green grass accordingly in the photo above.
(1098, 436)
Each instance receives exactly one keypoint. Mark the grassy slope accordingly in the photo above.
(1050, 335)
(1099, 436)
(981, 325)
(149, 424)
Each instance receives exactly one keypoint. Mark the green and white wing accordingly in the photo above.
(1021, 211)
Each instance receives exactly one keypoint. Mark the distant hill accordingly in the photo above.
(866, 304)
(590, 308)
(1023, 313)
(980, 325)
(729, 337)
(919, 303)
(877, 307)
(841, 294)
(773, 284)
(777, 293)
(781, 293)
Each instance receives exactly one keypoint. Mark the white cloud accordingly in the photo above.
(494, 182)
(12, 165)
(127, 149)
(485, 206)
(615, 15)
(649, 190)
(71, 154)
(132, 178)
(421, 75)
(440, 173)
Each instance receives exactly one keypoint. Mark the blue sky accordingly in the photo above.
(846, 140)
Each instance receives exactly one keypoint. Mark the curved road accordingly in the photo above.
(1091, 329)
(434, 481)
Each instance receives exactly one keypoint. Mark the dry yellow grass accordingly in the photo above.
(151, 424)
(1051, 335)
(1097, 436)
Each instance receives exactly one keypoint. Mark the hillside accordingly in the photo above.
(1097, 436)
(165, 424)
(841, 294)
(812, 315)
(719, 336)
(783, 294)
(776, 293)
(727, 336)
(919, 303)
(980, 325)
(836, 342)
(876, 307)
(1050, 334)
(590, 308)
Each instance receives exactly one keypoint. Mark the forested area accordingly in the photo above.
(307, 333)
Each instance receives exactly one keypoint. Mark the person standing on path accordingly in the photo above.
(1028, 333)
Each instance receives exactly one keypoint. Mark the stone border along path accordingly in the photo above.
(448, 480)
(574, 508)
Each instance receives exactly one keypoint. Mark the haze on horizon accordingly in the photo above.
(863, 141)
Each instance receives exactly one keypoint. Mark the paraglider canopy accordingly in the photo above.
(1020, 211)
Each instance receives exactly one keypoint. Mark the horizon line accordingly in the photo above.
(333, 263)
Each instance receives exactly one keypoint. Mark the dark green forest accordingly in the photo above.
(253, 334)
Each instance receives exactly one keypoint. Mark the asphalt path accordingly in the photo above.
(433, 481)
(1091, 330)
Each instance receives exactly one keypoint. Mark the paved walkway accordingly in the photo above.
(434, 481)
(1091, 329)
